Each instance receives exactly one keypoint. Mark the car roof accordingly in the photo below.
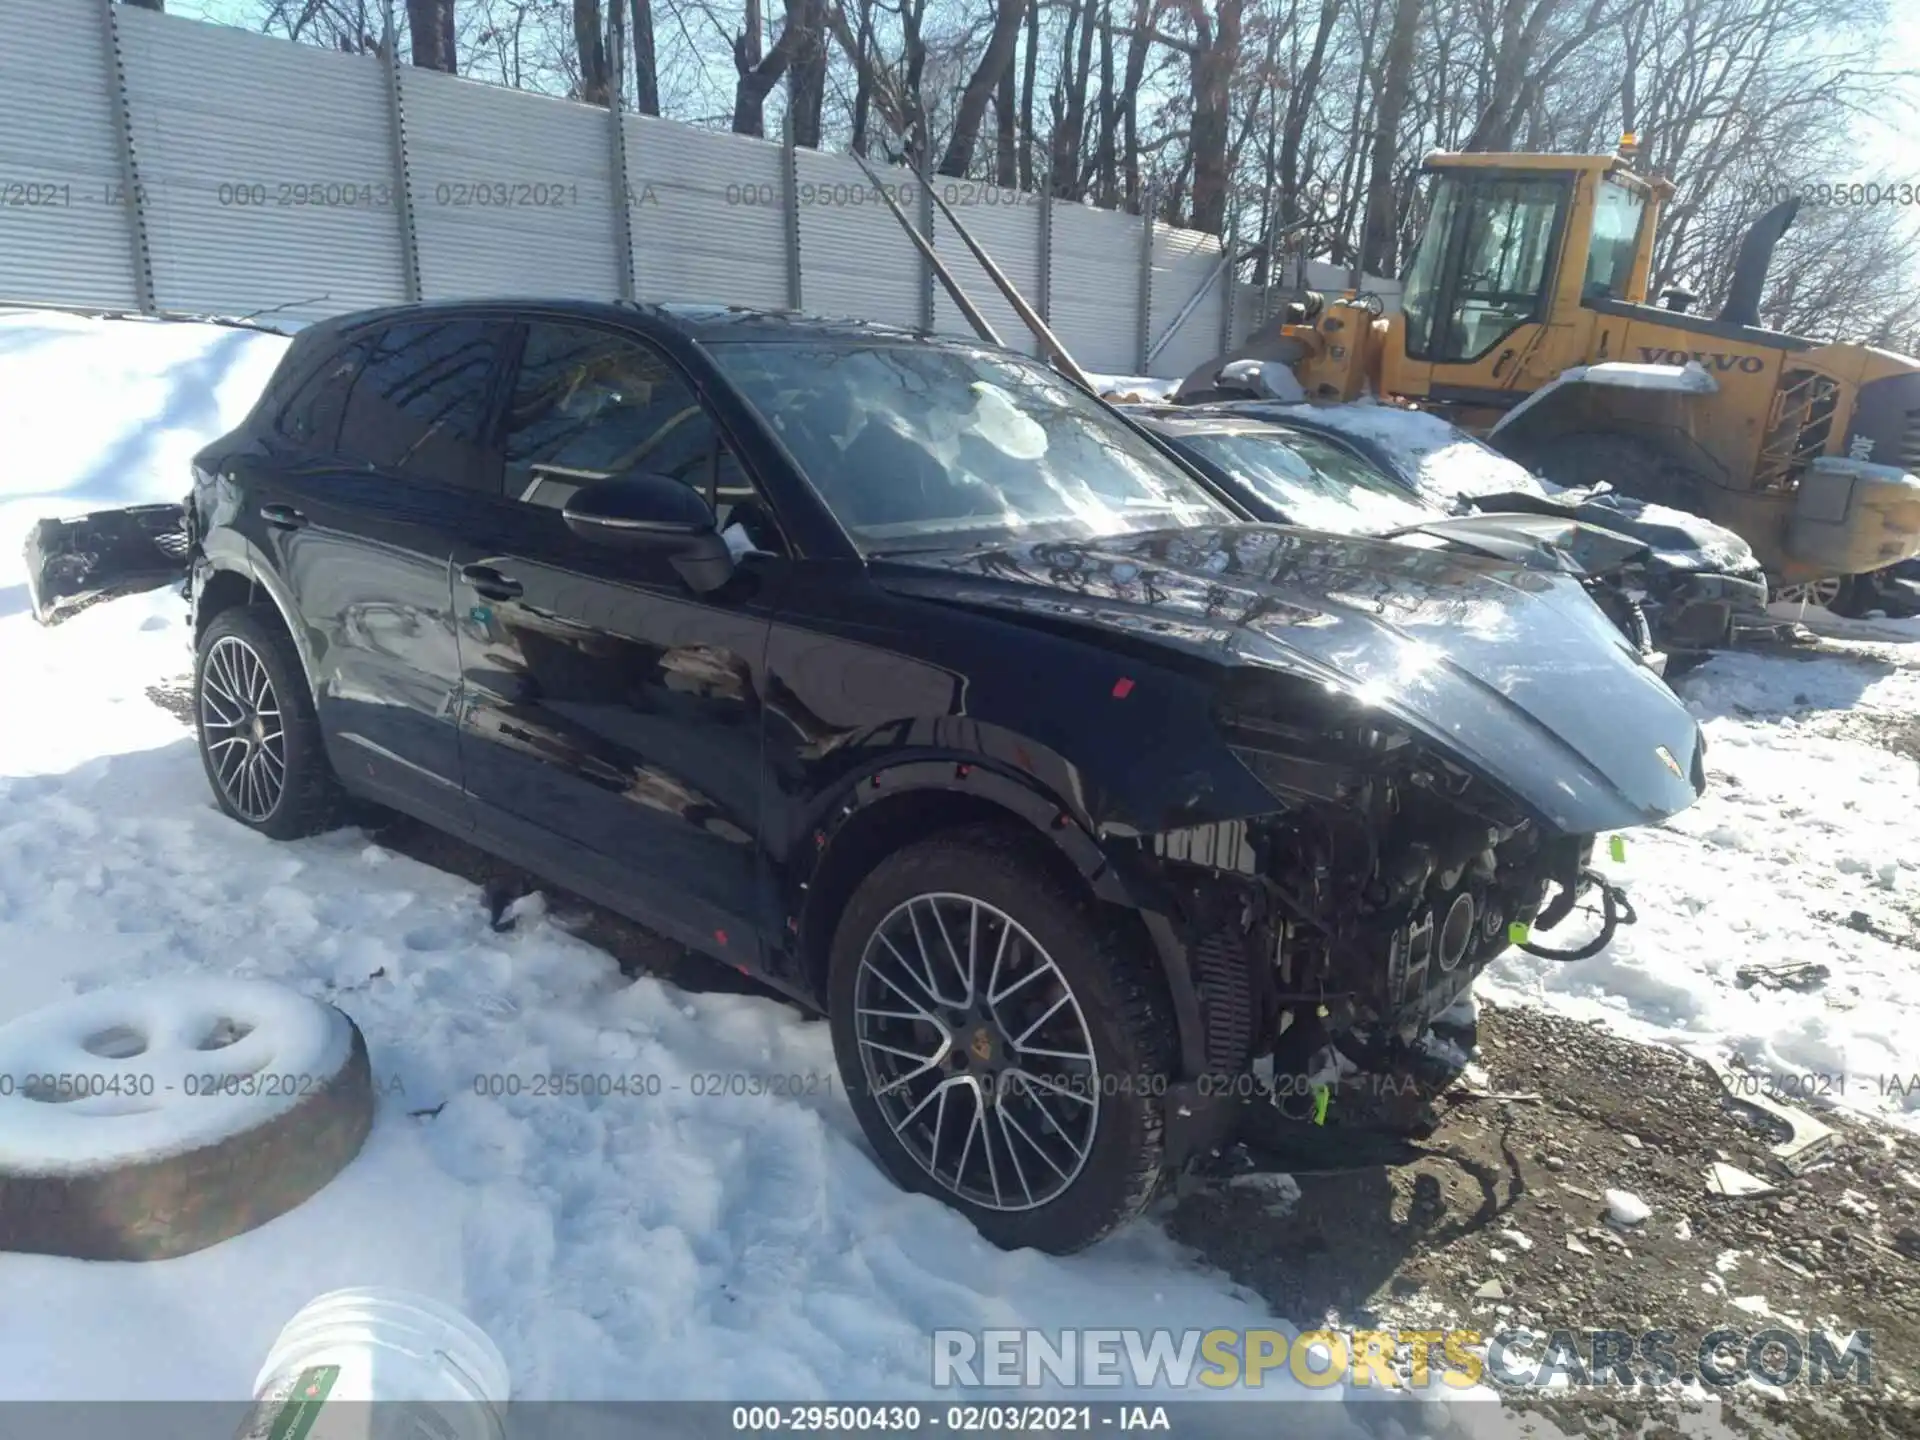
(694, 321)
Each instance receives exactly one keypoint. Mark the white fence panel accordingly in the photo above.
(708, 215)
(855, 259)
(1095, 304)
(64, 235)
(1183, 261)
(511, 191)
(1007, 225)
(265, 167)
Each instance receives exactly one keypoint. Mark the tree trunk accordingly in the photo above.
(758, 74)
(1213, 57)
(430, 24)
(1143, 16)
(807, 83)
(1027, 76)
(591, 46)
(1299, 106)
(1006, 137)
(862, 78)
(1377, 236)
(646, 68)
(995, 61)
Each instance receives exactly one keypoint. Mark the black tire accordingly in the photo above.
(1631, 464)
(162, 1208)
(310, 799)
(1116, 986)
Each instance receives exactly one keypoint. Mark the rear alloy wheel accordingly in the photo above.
(242, 729)
(259, 738)
(1005, 1044)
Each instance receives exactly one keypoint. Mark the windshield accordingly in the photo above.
(1310, 481)
(917, 447)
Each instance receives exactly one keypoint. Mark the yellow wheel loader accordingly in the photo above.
(1524, 317)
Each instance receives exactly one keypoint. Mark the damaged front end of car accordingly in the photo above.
(72, 564)
(1328, 937)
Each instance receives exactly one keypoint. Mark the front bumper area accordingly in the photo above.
(72, 564)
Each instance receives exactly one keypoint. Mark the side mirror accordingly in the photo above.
(646, 511)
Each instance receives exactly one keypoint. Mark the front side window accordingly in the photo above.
(591, 404)
(1420, 288)
(419, 405)
(1616, 236)
(1485, 264)
(1309, 481)
(917, 446)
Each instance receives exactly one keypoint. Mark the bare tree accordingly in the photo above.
(995, 61)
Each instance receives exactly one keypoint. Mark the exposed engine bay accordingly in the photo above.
(1335, 931)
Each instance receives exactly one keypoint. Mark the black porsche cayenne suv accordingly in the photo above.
(906, 676)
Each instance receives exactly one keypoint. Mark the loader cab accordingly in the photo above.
(1512, 245)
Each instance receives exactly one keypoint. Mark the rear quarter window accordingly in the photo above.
(310, 418)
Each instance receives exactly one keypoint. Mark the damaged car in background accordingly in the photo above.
(1100, 819)
(1702, 587)
(1295, 476)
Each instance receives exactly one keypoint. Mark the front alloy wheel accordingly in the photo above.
(1005, 1039)
(976, 1051)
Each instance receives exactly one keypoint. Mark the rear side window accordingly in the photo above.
(418, 405)
(311, 418)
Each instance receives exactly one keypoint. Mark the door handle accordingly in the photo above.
(490, 583)
(282, 517)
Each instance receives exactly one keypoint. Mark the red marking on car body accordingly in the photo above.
(1122, 688)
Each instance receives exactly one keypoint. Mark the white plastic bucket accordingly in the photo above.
(427, 1370)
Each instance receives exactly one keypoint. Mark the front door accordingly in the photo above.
(612, 716)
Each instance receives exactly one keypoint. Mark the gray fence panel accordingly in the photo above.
(511, 191)
(1096, 287)
(708, 215)
(1007, 223)
(63, 220)
(268, 182)
(1182, 262)
(856, 259)
(270, 188)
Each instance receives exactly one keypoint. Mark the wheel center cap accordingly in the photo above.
(981, 1045)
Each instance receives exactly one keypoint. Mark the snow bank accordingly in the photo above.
(1802, 850)
(95, 413)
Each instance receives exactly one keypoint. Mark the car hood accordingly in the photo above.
(1675, 539)
(1543, 542)
(1512, 672)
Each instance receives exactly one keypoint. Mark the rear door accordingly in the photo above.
(393, 456)
(612, 715)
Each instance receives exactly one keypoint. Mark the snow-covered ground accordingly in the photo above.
(744, 1246)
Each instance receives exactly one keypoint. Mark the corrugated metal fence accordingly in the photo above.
(156, 163)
